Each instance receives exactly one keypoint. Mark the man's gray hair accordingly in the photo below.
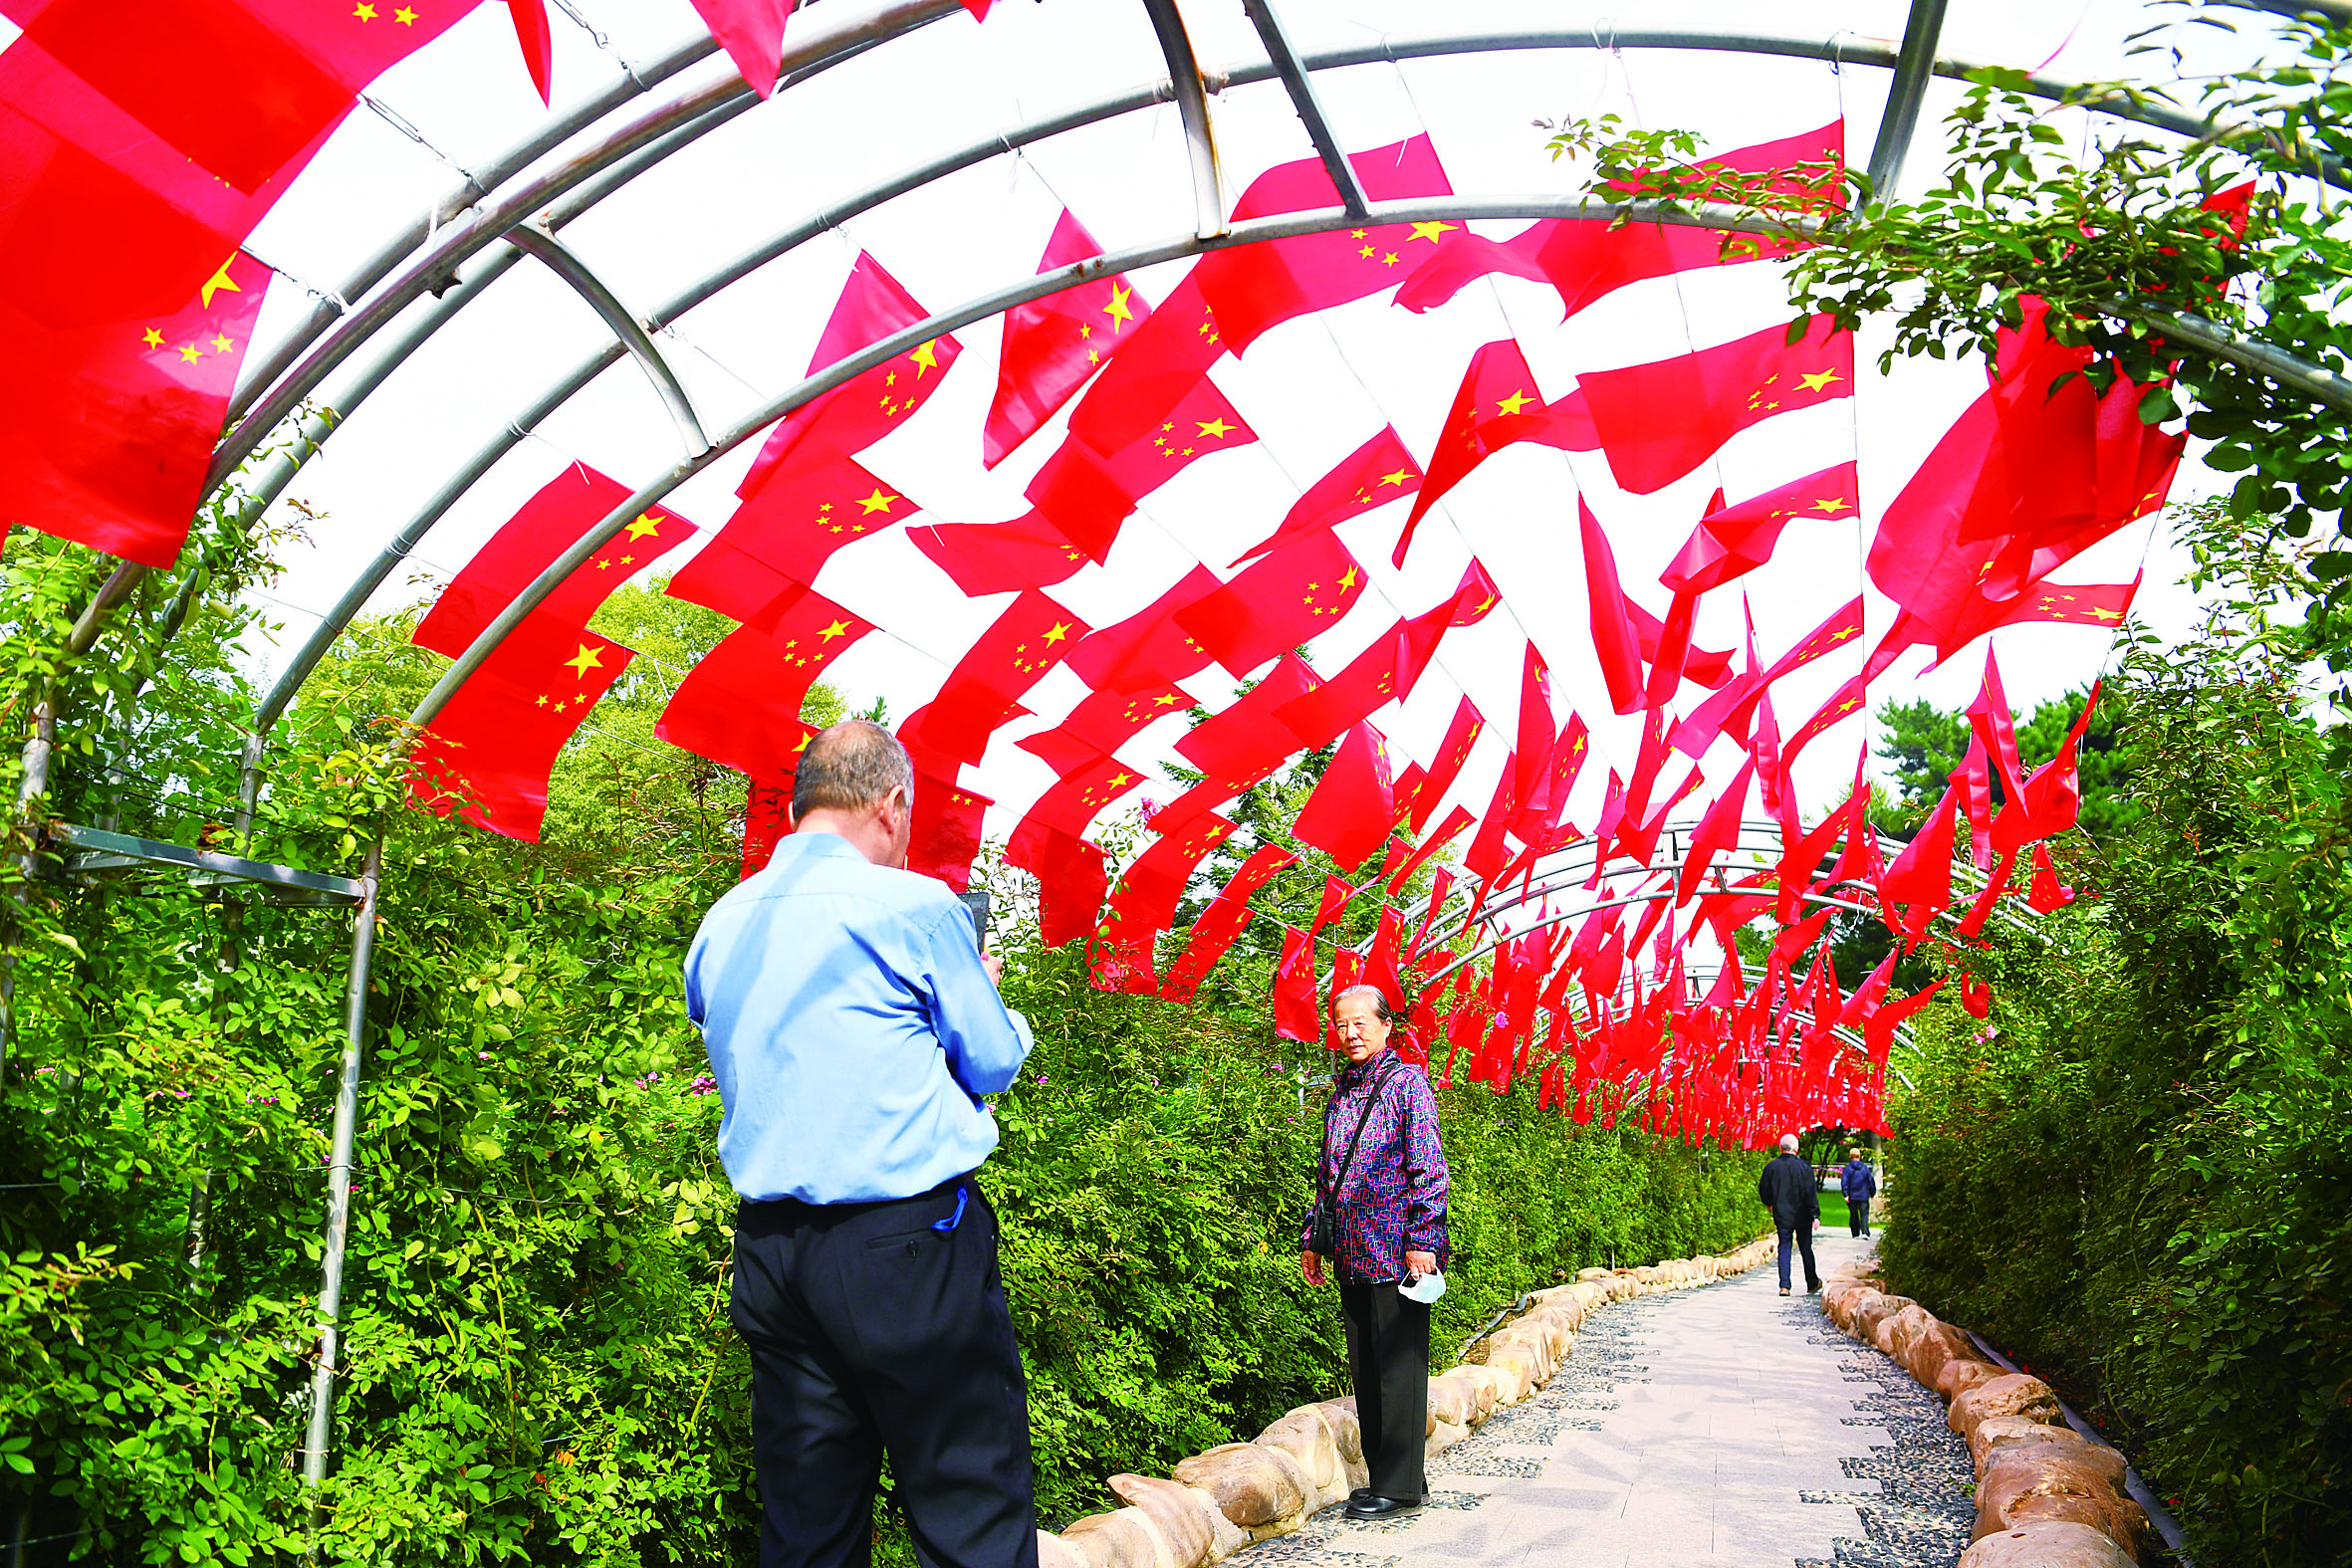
(850, 767)
(1788, 1142)
(1380, 999)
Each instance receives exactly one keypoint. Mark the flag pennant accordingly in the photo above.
(106, 432)
(1255, 288)
(1389, 668)
(1087, 781)
(487, 755)
(752, 33)
(1457, 820)
(1122, 964)
(1374, 474)
(1731, 541)
(1153, 885)
(1000, 558)
(866, 407)
(2073, 603)
(1088, 495)
(1052, 344)
(1073, 876)
(2051, 797)
(946, 832)
(526, 543)
(1350, 812)
(1461, 732)
(816, 505)
(1030, 637)
(1588, 258)
(1148, 650)
(1295, 1011)
(766, 817)
(538, 47)
(1496, 405)
(740, 705)
(1152, 370)
(1659, 421)
(1264, 862)
(1284, 599)
(1614, 641)
(1246, 742)
(1212, 933)
(1107, 721)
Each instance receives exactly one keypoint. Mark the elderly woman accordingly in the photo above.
(1389, 1199)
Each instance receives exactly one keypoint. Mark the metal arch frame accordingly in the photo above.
(1192, 102)
(540, 241)
(1295, 82)
(1914, 63)
(2306, 380)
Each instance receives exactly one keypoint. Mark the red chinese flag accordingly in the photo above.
(1733, 541)
(1718, 830)
(1257, 871)
(2075, 603)
(1246, 742)
(526, 543)
(538, 47)
(819, 503)
(1152, 370)
(1496, 405)
(1373, 475)
(488, 753)
(1122, 964)
(1212, 934)
(2051, 797)
(239, 87)
(998, 557)
(1282, 602)
(1614, 641)
(1153, 885)
(1088, 494)
(1659, 421)
(860, 411)
(1350, 812)
(741, 703)
(1258, 287)
(1587, 258)
(102, 222)
(1087, 781)
(1107, 721)
(1453, 751)
(946, 831)
(1389, 668)
(766, 817)
(1072, 875)
(1841, 705)
(106, 432)
(1445, 833)
(752, 33)
(1296, 1016)
(1052, 344)
(1033, 635)
(1148, 650)
(1921, 876)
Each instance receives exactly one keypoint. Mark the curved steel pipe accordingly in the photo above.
(566, 264)
(1192, 102)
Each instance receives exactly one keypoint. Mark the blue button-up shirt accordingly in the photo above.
(850, 1026)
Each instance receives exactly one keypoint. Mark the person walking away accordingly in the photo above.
(1382, 1176)
(1860, 1182)
(852, 1024)
(1793, 1193)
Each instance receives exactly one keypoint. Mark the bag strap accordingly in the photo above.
(1371, 1104)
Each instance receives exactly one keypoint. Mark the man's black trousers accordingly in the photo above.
(1858, 1215)
(1802, 1230)
(1388, 1359)
(870, 1330)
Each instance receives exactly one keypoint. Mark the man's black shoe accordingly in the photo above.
(1814, 1288)
(1360, 1493)
(1376, 1507)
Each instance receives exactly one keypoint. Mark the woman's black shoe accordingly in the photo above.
(1376, 1507)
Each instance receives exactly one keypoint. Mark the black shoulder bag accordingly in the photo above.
(1322, 1222)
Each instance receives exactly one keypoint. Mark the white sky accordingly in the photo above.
(1314, 388)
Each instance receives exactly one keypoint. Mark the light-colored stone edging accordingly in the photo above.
(2046, 1496)
(1239, 1493)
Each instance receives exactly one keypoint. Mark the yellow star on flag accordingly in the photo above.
(587, 658)
(1117, 309)
(647, 524)
(222, 343)
(840, 628)
(1397, 477)
(1347, 580)
(1818, 379)
(1057, 631)
(219, 279)
(190, 353)
(405, 17)
(880, 501)
(1514, 403)
(1831, 504)
(364, 11)
(925, 357)
(153, 338)
(1430, 231)
(1215, 427)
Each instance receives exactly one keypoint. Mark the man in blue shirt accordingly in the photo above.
(1860, 1182)
(852, 1024)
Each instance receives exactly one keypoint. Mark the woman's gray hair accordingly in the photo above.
(1380, 999)
(850, 767)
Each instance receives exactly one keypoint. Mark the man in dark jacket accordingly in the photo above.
(1860, 1182)
(1789, 1189)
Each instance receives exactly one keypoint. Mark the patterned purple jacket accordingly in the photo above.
(1394, 1200)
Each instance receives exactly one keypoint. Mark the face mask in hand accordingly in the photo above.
(1424, 1289)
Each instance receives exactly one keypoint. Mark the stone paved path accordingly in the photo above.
(1720, 1426)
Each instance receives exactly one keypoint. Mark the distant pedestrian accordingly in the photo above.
(854, 1024)
(1860, 1182)
(1793, 1193)
(1381, 1184)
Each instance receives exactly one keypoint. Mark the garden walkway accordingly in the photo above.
(1720, 1426)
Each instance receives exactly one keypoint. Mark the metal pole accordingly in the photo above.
(1192, 102)
(339, 1181)
(1913, 66)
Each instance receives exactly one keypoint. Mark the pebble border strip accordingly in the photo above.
(1217, 1504)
